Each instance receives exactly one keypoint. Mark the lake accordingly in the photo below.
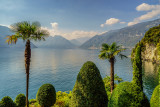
(60, 68)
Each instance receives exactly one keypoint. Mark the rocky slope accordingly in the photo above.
(150, 45)
(151, 53)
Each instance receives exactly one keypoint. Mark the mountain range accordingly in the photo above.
(50, 42)
(76, 42)
(127, 36)
(56, 42)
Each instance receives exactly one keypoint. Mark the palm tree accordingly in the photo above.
(109, 52)
(27, 31)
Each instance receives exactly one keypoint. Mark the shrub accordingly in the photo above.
(89, 90)
(137, 68)
(155, 99)
(63, 99)
(20, 100)
(31, 101)
(46, 95)
(107, 81)
(107, 85)
(7, 102)
(127, 94)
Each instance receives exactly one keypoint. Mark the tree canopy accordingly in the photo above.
(26, 31)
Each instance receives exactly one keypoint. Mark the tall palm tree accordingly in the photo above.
(109, 52)
(27, 31)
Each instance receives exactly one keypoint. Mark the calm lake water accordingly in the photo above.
(60, 68)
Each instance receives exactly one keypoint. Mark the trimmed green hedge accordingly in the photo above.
(7, 102)
(89, 90)
(137, 68)
(127, 94)
(155, 99)
(20, 100)
(46, 95)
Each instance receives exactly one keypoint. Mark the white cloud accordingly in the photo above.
(79, 34)
(54, 25)
(111, 21)
(5, 25)
(132, 23)
(69, 34)
(102, 25)
(146, 7)
(149, 15)
(152, 11)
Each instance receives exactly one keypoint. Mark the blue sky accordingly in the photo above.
(79, 18)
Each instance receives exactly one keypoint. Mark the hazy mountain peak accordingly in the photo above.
(57, 42)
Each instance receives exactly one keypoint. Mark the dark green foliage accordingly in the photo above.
(7, 102)
(155, 99)
(89, 90)
(107, 80)
(159, 73)
(152, 36)
(127, 94)
(46, 95)
(137, 68)
(20, 100)
(63, 99)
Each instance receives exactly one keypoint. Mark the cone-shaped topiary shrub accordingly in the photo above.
(20, 100)
(46, 95)
(7, 102)
(155, 99)
(89, 90)
(128, 94)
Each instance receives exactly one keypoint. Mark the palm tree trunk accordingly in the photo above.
(27, 55)
(112, 74)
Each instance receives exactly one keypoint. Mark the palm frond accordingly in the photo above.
(102, 55)
(40, 34)
(105, 46)
(11, 39)
(29, 31)
(113, 46)
(122, 56)
(110, 51)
